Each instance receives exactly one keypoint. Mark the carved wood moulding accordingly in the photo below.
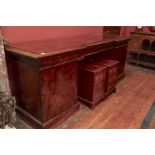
(7, 110)
(7, 102)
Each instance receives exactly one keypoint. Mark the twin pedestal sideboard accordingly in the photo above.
(43, 74)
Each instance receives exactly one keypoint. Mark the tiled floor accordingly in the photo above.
(126, 108)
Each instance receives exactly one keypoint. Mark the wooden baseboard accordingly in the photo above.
(52, 123)
(90, 104)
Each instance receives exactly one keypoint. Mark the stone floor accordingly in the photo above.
(127, 108)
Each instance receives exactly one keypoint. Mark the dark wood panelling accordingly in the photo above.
(111, 30)
(91, 83)
(58, 89)
(43, 75)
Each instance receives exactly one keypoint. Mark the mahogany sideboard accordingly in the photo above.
(43, 74)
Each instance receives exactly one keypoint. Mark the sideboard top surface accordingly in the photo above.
(42, 48)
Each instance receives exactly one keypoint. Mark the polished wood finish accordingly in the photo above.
(36, 91)
(112, 30)
(111, 75)
(43, 74)
(91, 83)
(141, 49)
(117, 54)
(125, 109)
